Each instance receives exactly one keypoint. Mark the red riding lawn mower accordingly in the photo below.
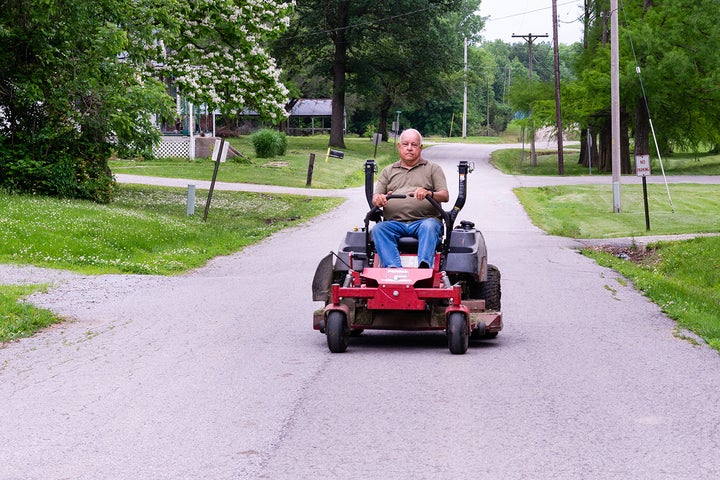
(460, 294)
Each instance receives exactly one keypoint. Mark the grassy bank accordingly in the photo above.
(512, 162)
(289, 170)
(682, 278)
(17, 319)
(146, 230)
(586, 211)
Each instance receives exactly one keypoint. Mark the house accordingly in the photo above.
(308, 116)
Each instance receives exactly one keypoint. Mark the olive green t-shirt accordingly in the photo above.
(397, 179)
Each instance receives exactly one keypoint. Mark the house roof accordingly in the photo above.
(312, 107)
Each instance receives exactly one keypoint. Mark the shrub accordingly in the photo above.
(269, 143)
(71, 169)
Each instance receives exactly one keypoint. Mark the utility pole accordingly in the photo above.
(615, 104)
(530, 38)
(558, 113)
(464, 121)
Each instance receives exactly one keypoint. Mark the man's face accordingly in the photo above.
(409, 148)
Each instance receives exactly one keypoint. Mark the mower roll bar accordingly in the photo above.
(375, 213)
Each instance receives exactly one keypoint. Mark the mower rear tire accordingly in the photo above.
(490, 289)
(337, 332)
(457, 333)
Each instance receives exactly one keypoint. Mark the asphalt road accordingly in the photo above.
(218, 374)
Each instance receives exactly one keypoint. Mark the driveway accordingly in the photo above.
(218, 374)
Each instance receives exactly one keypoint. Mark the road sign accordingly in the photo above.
(642, 165)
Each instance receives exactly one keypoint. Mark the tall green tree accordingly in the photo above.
(672, 43)
(79, 79)
(384, 49)
(409, 67)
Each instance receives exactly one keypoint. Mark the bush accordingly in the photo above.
(269, 143)
(73, 169)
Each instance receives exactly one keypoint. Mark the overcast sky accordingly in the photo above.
(522, 17)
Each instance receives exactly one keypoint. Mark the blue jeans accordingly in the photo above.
(386, 234)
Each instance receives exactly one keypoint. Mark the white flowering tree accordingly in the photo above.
(215, 54)
(81, 80)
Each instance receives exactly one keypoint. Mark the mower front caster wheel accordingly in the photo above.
(337, 332)
(457, 333)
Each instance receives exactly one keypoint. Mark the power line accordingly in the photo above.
(491, 19)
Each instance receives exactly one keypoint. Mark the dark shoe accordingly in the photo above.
(423, 265)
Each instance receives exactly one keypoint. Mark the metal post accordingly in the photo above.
(214, 177)
(647, 209)
(190, 200)
(311, 165)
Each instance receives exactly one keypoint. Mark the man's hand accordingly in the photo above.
(380, 199)
(421, 193)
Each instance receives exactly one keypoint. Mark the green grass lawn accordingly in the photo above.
(145, 230)
(512, 162)
(18, 319)
(586, 211)
(289, 170)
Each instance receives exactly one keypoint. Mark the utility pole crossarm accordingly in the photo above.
(530, 38)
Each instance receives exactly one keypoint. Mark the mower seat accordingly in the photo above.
(408, 244)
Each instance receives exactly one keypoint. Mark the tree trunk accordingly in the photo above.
(594, 154)
(589, 157)
(625, 165)
(605, 160)
(337, 126)
(584, 150)
(605, 144)
(384, 111)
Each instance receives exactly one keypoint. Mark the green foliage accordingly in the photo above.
(75, 170)
(674, 45)
(269, 143)
(79, 80)
(389, 55)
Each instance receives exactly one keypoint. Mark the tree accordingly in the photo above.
(350, 40)
(80, 79)
(405, 64)
(673, 44)
(213, 50)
